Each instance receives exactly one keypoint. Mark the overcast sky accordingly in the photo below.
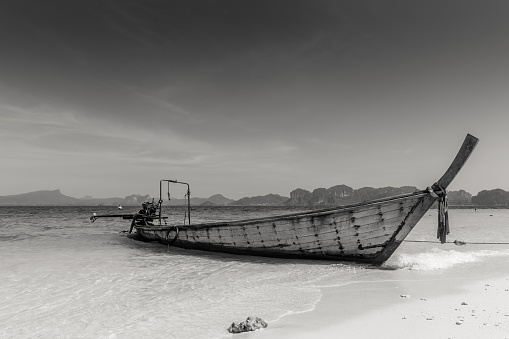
(246, 98)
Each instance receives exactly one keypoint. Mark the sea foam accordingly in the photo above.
(437, 259)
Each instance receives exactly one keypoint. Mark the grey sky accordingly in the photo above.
(244, 98)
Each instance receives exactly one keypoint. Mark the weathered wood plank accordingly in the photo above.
(304, 226)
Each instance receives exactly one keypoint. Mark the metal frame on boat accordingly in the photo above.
(368, 232)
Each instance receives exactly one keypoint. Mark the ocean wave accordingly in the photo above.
(437, 259)
(14, 237)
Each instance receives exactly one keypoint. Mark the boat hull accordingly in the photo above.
(368, 232)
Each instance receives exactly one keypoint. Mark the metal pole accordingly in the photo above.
(188, 196)
(189, 205)
(160, 199)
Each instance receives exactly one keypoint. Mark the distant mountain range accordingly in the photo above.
(56, 198)
(496, 197)
(270, 199)
(39, 198)
(333, 196)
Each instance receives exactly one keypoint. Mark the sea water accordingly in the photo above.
(62, 276)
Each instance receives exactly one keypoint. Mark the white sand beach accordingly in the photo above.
(431, 308)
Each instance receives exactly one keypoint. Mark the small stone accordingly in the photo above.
(405, 296)
(404, 317)
(430, 318)
(464, 303)
(250, 324)
(459, 322)
(423, 299)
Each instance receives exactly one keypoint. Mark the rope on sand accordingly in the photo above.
(460, 243)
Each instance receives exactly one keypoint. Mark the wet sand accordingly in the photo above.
(424, 291)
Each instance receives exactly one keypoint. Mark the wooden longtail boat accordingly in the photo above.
(368, 232)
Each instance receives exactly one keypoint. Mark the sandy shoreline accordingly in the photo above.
(435, 307)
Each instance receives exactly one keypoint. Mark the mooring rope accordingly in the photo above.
(460, 242)
(168, 235)
(443, 212)
(443, 217)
